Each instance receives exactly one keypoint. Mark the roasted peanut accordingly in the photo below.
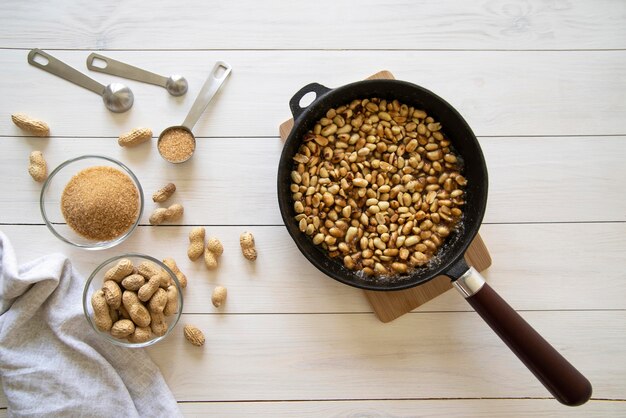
(215, 246)
(210, 260)
(133, 282)
(135, 137)
(193, 335)
(30, 125)
(160, 215)
(123, 268)
(171, 307)
(196, 243)
(112, 293)
(214, 249)
(157, 323)
(37, 167)
(248, 248)
(219, 296)
(147, 269)
(138, 313)
(158, 301)
(122, 328)
(164, 193)
(147, 290)
(141, 335)
(171, 264)
(101, 315)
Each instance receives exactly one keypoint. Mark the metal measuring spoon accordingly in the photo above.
(117, 97)
(176, 85)
(177, 144)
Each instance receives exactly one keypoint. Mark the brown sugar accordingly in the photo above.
(177, 145)
(100, 203)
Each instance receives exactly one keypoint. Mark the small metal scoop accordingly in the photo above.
(176, 85)
(117, 97)
(176, 136)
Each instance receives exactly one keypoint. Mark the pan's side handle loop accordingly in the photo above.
(562, 379)
(294, 103)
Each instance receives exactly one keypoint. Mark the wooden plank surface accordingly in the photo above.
(541, 83)
(536, 267)
(326, 24)
(500, 93)
(469, 408)
(423, 355)
(231, 181)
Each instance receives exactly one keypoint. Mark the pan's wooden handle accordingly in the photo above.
(562, 379)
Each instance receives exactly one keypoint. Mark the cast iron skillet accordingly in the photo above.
(565, 383)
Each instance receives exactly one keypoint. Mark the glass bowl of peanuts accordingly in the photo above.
(133, 300)
(92, 202)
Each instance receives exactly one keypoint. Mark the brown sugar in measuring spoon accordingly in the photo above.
(177, 144)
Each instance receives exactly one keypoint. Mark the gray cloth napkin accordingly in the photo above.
(52, 363)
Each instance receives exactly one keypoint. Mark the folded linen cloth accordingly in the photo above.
(52, 363)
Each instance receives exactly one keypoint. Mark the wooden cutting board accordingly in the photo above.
(391, 305)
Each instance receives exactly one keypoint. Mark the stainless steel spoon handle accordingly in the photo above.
(210, 87)
(122, 69)
(60, 69)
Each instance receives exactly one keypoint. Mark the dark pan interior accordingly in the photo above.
(454, 127)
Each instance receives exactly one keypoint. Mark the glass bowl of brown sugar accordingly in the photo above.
(92, 202)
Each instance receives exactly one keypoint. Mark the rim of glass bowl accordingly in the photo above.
(124, 343)
(99, 245)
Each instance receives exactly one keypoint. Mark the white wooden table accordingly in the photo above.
(542, 83)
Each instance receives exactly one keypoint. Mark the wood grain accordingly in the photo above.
(541, 82)
(536, 267)
(499, 93)
(325, 24)
(231, 181)
(426, 355)
(468, 408)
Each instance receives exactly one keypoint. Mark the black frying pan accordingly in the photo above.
(562, 380)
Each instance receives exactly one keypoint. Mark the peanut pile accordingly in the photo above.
(377, 183)
(134, 301)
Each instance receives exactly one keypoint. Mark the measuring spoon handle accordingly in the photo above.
(210, 87)
(61, 69)
(122, 69)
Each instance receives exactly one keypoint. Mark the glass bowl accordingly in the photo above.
(52, 191)
(95, 281)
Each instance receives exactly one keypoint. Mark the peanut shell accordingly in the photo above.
(196, 243)
(112, 293)
(122, 328)
(158, 324)
(194, 335)
(158, 301)
(171, 264)
(219, 296)
(37, 167)
(164, 193)
(33, 126)
(123, 268)
(141, 335)
(135, 137)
